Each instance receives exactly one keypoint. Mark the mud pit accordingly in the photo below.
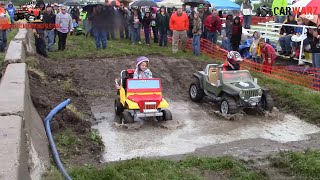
(195, 127)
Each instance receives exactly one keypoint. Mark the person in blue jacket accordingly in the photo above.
(11, 11)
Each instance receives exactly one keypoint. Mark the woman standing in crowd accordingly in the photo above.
(146, 26)
(64, 21)
(135, 22)
(154, 24)
(236, 34)
(196, 31)
(227, 33)
(246, 8)
(163, 26)
(99, 28)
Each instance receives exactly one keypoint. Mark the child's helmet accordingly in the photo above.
(234, 58)
(140, 60)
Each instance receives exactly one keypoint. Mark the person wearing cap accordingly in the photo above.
(11, 10)
(49, 19)
(56, 8)
(64, 21)
(213, 24)
(179, 24)
(203, 14)
(162, 23)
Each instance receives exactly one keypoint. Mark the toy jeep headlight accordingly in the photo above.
(260, 92)
(242, 94)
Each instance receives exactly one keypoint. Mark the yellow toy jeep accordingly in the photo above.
(140, 98)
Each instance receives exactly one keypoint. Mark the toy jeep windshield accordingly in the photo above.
(140, 98)
(233, 90)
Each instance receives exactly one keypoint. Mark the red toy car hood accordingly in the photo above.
(141, 99)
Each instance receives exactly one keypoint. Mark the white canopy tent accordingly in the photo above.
(170, 3)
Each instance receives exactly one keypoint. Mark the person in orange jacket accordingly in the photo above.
(4, 26)
(179, 24)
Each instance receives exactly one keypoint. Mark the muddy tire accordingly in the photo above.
(126, 118)
(118, 107)
(228, 105)
(167, 116)
(266, 102)
(195, 92)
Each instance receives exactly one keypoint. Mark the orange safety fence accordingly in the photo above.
(307, 77)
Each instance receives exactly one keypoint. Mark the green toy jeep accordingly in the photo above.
(233, 90)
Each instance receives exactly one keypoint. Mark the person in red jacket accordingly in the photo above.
(179, 24)
(268, 55)
(233, 61)
(213, 24)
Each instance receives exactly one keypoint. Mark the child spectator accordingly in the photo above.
(142, 70)
(254, 48)
(146, 26)
(236, 34)
(196, 31)
(233, 61)
(268, 55)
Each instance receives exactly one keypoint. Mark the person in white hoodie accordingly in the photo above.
(64, 22)
(246, 9)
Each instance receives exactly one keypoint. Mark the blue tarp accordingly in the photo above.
(224, 4)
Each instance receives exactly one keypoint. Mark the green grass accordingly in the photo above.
(296, 99)
(67, 143)
(303, 165)
(191, 168)
(95, 137)
(10, 36)
(81, 47)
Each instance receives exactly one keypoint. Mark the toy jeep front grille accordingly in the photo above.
(250, 93)
(150, 105)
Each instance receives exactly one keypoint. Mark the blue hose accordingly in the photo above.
(51, 141)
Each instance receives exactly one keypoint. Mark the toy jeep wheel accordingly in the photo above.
(266, 102)
(126, 118)
(118, 108)
(195, 91)
(228, 106)
(167, 116)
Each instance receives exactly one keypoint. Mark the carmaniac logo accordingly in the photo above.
(284, 11)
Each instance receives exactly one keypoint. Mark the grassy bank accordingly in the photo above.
(302, 165)
(295, 99)
(191, 168)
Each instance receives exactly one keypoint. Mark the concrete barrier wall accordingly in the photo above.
(24, 152)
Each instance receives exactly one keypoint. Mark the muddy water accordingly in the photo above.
(191, 128)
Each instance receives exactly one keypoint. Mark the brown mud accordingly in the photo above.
(196, 127)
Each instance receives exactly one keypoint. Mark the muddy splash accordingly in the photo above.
(197, 129)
